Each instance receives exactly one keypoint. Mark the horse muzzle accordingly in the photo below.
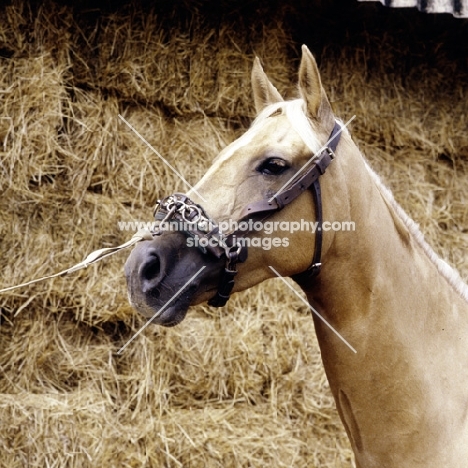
(163, 277)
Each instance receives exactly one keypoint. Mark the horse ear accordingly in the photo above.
(263, 91)
(310, 86)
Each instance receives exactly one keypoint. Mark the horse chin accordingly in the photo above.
(171, 315)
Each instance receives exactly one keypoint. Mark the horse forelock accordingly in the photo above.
(295, 111)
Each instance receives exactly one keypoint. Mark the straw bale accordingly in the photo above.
(186, 65)
(243, 386)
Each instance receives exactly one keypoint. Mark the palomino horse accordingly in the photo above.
(403, 395)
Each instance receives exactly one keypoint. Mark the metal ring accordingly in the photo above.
(190, 210)
(168, 205)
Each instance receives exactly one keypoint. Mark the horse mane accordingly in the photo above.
(450, 274)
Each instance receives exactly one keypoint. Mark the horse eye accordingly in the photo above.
(273, 166)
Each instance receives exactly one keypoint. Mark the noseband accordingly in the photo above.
(178, 212)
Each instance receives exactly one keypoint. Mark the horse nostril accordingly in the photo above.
(151, 268)
(150, 275)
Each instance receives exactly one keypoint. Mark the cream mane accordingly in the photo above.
(449, 273)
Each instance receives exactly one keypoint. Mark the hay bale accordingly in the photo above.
(188, 66)
(239, 387)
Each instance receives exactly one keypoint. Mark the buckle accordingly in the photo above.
(330, 152)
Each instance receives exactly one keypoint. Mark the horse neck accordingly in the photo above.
(383, 293)
(383, 257)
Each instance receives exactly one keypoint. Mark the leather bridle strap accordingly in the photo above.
(226, 282)
(305, 181)
(314, 267)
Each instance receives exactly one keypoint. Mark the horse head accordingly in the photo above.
(257, 180)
